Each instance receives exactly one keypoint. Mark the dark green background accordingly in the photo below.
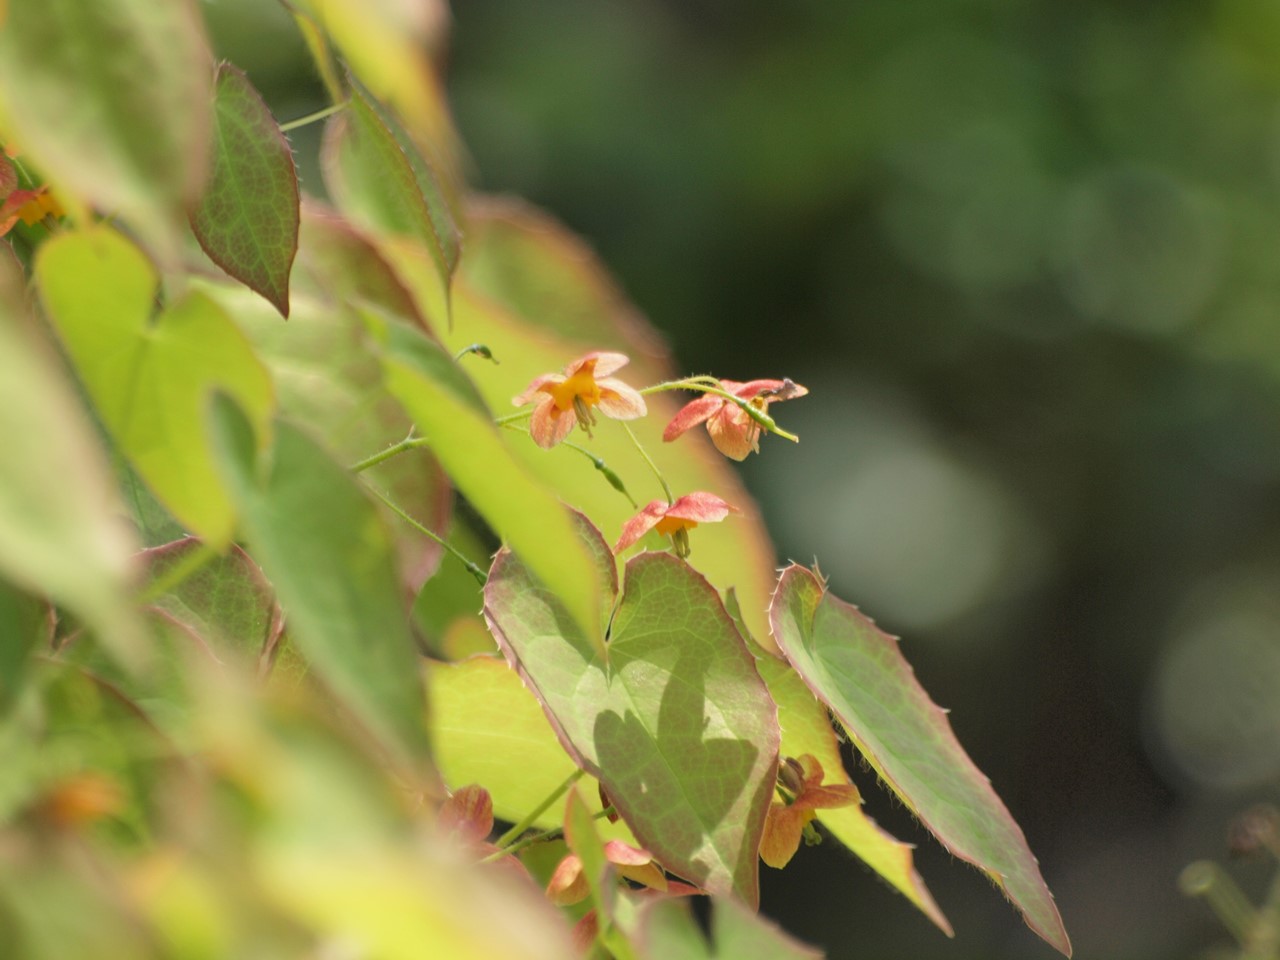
(1026, 256)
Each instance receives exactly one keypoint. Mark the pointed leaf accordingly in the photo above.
(445, 406)
(676, 724)
(858, 671)
(150, 382)
(806, 729)
(382, 181)
(112, 99)
(60, 527)
(247, 219)
(329, 556)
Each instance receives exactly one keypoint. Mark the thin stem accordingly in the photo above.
(513, 417)
(649, 460)
(176, 574)
(542, 836)
(479, 349)
(610, 477)
(408, 443)
(475, 571)
(313, 117)
(507, 838)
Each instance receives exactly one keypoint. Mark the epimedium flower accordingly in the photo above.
(675, 520)
(732, 429)
(564, 399)
(786, 821)
(568, 885)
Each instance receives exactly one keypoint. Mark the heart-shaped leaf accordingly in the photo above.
(112, 100)
(247, 219)
(674, 722)
(330, 557)
(151, 381)
(858, 671)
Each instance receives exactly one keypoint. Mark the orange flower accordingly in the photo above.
(786, 821)
(31, 206)
(568, 398)
(732, 430)
(568, 886)
(675, 519)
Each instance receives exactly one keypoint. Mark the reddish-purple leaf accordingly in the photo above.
(247, 219)
(858, 671)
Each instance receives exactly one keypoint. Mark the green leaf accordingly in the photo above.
(382, 181)
(328, 378)
(486, 728)
(151, 381)
(329, 556)
(445, 406)
(24, 623)
(858, 671)
(247, 220)
(112, 99)
(583, 839)
(666, 930)
(806, 729)
(675, 723)
(60, 528)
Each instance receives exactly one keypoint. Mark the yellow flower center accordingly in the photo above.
(669, 525)
(581, 386)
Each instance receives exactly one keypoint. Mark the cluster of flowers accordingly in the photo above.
(734, 413)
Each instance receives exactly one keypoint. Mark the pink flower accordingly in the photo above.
(675, 519)
(732, 430)
(567, 398)
(568, 885)
(786, 822)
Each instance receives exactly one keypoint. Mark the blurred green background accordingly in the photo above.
(1026, 257)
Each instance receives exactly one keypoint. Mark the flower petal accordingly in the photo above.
(691, 414)
(780, 389)
(605, 363)
(468, 813)
(783, 826)
(701, 507)
(550, 425)
(733, 432)
(619, 401)
(568, 885)
(537, 385)
(640, 524)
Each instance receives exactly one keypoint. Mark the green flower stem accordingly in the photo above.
(176, 574)
(475, 571)
(507, 839)
(649, 460)
(612, 478)
(408, 443)
(479, 349)
(513, 417)
(705, 384)
(313, 117)
(1206, 879)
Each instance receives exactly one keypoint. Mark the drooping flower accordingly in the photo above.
(731, 428)
(567, 398)
(675, 520)
(29, 206)
(568, 885)
(786, 821)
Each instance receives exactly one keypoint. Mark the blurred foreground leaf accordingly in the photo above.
(330, 559)
(666, 930)
(61, 527)
(112, 98)
(858, 671)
